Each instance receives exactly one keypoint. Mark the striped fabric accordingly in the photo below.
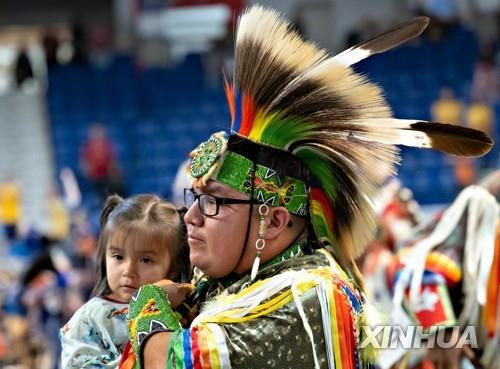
(223, 333)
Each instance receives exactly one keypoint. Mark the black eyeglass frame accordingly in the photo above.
(218, 201)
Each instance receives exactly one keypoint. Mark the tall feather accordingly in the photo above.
(383, 42)
(453, 139)
(448, 138)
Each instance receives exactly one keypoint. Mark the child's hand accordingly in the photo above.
(177, 292)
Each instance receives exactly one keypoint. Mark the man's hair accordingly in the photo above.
(285, 163)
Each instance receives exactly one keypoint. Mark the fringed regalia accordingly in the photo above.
(450, 275)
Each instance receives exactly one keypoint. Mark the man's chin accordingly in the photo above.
(199, 261)
(208, 268)
(211, 273)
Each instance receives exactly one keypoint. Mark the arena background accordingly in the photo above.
(143, 78)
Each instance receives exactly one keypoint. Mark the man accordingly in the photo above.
(99, 163)
(280, 208)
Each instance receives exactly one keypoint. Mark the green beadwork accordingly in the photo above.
(150, 311)
(207, 154)
(212, 161)
(297, 249)
(270, 187)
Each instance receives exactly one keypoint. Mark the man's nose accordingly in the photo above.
(193, 215)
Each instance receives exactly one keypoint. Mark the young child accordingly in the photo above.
(142, 240)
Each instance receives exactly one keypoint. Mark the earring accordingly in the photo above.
(260, 243)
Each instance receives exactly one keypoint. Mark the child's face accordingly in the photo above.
(128, 268)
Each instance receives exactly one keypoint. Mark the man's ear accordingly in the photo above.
(278, 219)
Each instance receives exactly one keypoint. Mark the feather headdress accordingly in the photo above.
(329, 131)
(288, 94)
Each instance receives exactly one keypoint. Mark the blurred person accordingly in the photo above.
(10, 207)
(364, 30)
(82, 246)
(479, 115)
(3, 342)
(397, 215)
(50, 45)
(7, 279)
(22, 350)
(43, 298)
(116, 183)
(181, 181)
(79, 41)
(23, 70)
(142, 240)
(449, 276)
(401, 215)
(447, 108)
(57, 216)
(486, 79)
(98, 160)
(279, 208)
(375, 266)
(43, 294)
(100, 41)
(216, 59)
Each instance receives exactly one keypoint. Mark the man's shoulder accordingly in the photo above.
(319, 268)
(307, 270)
(321, 259)
(309, 279)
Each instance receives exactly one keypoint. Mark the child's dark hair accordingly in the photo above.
(142, 218)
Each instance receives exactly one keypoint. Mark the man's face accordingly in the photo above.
(216, 243)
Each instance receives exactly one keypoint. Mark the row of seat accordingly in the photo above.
(156, 116)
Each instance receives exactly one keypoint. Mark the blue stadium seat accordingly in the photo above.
(158, 115)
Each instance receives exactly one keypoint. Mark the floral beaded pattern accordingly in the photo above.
(205, 159)
(150, 312)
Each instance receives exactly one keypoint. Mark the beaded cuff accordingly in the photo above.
(149, 312)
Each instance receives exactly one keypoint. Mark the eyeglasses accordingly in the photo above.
(209, 204)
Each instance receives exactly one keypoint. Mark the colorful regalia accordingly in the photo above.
(449, 276)
(310, 135)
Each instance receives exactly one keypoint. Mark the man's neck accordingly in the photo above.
(298, 248)
(206, 287)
